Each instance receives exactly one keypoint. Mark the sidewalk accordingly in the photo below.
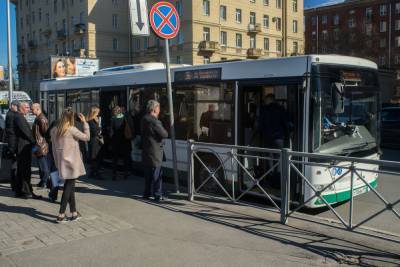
(120, 229)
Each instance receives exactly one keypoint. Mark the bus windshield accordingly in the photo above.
(344, 104)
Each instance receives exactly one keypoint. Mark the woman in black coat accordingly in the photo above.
(95, 143)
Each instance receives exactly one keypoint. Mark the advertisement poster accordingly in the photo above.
(62, 67)
(1, 73)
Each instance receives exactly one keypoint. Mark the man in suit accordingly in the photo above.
(11, 141)
(153, 133)
(25, 145)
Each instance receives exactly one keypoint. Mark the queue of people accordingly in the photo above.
(59, 150)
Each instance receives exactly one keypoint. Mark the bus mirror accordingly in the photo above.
(337, 98)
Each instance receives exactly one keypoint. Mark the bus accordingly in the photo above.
(331, 100)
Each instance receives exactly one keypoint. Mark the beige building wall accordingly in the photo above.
(89, 32)
(194, 22)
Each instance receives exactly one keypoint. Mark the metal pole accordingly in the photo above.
(285, 184)
(190, 169)
(171, 117)
(350, 226)
(10, 76)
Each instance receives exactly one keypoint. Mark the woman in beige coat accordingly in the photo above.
(68, 158)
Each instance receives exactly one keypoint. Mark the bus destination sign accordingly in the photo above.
(198, 75)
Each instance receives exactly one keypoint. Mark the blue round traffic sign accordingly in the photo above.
(164, 19)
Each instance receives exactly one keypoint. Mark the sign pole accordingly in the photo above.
(10, 77)
(171, 117)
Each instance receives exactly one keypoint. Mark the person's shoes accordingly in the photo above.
(61, 219)
(146, 197)
(158, 199)
(34, 196)
(76, 217)
(52, 198)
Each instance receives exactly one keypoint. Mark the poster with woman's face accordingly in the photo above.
(63, 67)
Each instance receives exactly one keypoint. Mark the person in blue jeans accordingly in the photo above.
(39, 130)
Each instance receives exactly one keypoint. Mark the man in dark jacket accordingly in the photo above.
(153, 134)
(25, 146)
(39, 130)
(10, 139)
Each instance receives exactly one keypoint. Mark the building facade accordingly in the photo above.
(364, 28)
(225, 30)
(82, 28)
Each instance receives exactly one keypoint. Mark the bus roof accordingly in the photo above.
(295, 66)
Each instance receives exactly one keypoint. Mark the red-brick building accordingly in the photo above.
(362, 28)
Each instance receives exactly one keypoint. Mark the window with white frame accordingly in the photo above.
(294, 5)
(266, 44)
(324, 35)
(206, 7)
(238, 40)
(238, 15)
(382, 43)
(397, 59)
(279, 4)
(382, 60)
(295, 47)
(324, 19)
(368, 29)
(115, 44)
(397, 25)
(295, 26)
(223, 38)
(368, 13)
(252, 42)
(397, 8)
(206, 34)
(336, 20)
(252, 18)
(351, 23)
(206, 60)
(115, 21)
(266, 21)
(397, 41)
(179, 60)
(382, 26)
(266, 2)
(278, 24)
(279, 46)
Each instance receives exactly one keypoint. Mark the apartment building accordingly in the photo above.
(364, 28)
(215, 30)
(82, 28)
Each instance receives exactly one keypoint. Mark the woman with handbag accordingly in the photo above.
(121, 136)
(95, 143)
(68, 158)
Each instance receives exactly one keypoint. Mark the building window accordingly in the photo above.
(252, 42)
(47, 19)
(368, 29)
(56, 49)
(252, 18)
(314, 36)
(64, 48)
(398, 8)
(40, 15)
(382, 60)
(383, 10)
(294, 5)
(336, 20)
(382, 26)
(206, 60)
(224, 38)
(368, 13)
(115, 3)
(266, 44)
(295, 47)
(238, 15)
(62, 4)
(83, 43)
(179, 60)
(73, 45)
(295, 26)
(238, 40)
(336, 34)
(21, 23)
(266, 2)
(278, 24)
(368, 43)
(222, 12)
(382, 43)
(279, 4)
(397, 59)
(115, 21)
(73, 22)
(324, 20)
(206, 7)
(397, 41)
(266, 21)
(397, 27)
(324, 35)
(206, 34)
(55, 6)
(72, 2)
(351, 23)
(82, 18)
(179, 8)
(279, 46)
(181, 37)
(115, 44)
(33, 17)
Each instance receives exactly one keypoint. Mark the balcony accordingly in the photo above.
(46, 32)
(32, 44)
(209, 46)
(254, 28)
(254, 52)
(80, 28)
(61, 35)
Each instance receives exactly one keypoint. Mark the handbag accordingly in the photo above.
(56, 179)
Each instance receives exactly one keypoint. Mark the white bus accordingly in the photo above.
(317, 91)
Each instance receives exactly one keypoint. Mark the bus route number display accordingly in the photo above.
(198, 75)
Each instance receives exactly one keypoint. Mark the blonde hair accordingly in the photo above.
(93, 113)
(66, 121)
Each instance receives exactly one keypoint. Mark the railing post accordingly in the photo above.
(350, 226)
(233, 176)
(285, 184)
(190, 168)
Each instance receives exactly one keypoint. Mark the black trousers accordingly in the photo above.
(121, 152)
(23, 181)
(68, 196)
(14, 175)
(153, 181)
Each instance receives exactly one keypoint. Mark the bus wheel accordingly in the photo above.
(201, 174)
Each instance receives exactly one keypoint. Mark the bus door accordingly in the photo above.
(252, 101)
